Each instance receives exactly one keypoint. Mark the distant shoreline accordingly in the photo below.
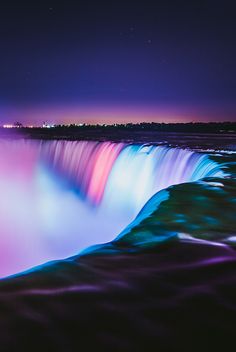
(190, 127)
(193, 135)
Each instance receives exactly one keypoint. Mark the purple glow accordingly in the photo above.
(94, 113)
(58, 197)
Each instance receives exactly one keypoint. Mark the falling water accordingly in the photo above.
(59, 197)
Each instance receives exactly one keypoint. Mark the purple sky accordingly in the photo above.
(124, 61)
(93, 114)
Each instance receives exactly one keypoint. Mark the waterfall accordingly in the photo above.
(124, 175)
(59, 197)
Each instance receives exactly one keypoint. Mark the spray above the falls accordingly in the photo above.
(59, 197)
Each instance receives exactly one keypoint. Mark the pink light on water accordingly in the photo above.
(43, 218)
(108, 153)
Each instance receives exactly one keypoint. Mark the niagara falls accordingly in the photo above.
(103, 228)
(64, 190)
(117, 176)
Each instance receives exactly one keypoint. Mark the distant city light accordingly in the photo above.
(8, 126)
(48, 125)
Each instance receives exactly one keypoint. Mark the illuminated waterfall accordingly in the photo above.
(59, 197)
(124, 176)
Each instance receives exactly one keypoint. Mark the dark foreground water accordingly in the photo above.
(180, 296)
(166, 283)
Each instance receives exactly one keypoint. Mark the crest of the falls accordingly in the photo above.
(126, 175)
(59, 197)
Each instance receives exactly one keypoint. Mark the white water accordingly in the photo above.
(59, 197)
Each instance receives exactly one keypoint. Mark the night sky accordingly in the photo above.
(117, 61)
